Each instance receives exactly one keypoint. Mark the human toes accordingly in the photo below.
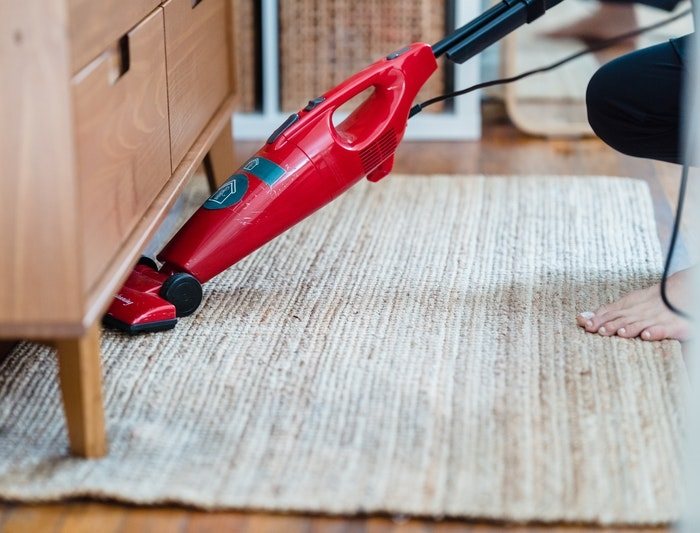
(614, 327)
(679, 330)
(654, 333)
(603, 314)
(633, 329)
(584, 319)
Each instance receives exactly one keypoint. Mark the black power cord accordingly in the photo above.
(607, 43)
(672, 244)
(592, 49)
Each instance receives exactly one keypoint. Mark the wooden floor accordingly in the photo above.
(502, 151)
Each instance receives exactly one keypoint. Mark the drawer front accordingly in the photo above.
(122, 139)
(196, 45)
(95, 24)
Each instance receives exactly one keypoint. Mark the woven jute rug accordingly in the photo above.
(409, 349)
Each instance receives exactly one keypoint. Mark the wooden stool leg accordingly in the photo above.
(80, 375)
(219, 163)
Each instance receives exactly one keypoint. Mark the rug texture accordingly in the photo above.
(409, 349)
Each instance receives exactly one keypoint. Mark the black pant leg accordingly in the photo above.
(634, 102)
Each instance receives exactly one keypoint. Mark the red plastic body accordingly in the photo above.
(309, 164)
(320, 162)
(138, 302)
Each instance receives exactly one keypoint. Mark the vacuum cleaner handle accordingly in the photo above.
(368, 121)
(395, 80)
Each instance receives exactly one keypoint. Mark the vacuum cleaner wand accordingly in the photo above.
(490, 27)
(306, 163)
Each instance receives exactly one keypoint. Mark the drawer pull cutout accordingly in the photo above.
(121, 60)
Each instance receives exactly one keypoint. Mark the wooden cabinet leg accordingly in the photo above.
(219, 163)
(80, 375)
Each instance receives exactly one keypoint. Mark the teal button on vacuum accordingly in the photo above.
(229, 193)
(264, 169)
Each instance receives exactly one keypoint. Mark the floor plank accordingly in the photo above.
(91, 517)
(156, 520)
(503, 150)
(30, 518)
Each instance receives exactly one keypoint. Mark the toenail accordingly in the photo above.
(602, 330)
(621, 331)
(646, 335)
(589, 324)
(587, 315)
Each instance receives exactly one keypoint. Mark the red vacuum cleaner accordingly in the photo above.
(305, 164)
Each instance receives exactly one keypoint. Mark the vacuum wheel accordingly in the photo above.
(184, 292)
(147, 261)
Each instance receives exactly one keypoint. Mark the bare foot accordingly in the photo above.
(643, 314)
(609, 20)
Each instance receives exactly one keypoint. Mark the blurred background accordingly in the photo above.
(320, 43)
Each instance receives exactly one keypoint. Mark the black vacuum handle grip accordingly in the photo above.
(490, 27)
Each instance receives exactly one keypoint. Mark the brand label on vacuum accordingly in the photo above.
(123, 299)
(229, 193)
(264, 169)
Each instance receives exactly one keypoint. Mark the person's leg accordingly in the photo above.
(634, 105)
(634, 102)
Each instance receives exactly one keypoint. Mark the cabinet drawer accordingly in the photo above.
(196, 46)
(122, 139)
(94, 24)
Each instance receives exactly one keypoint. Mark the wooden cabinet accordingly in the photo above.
(96, 24)
(107, 107)
(123, 141)
(198, 67)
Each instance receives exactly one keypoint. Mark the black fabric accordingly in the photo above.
(634, 101)
(681, 46)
